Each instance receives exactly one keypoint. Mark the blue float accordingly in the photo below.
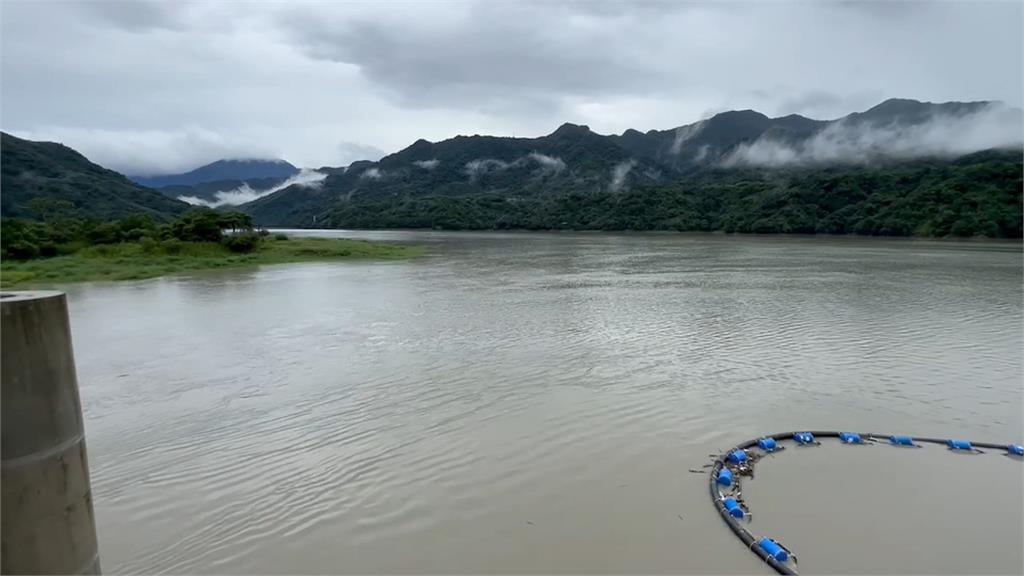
(730, 507)
(902, 440)
(959, 445)
(773, 549)
(850, 438)
(803, 438)
(733, 507)
(737, 456)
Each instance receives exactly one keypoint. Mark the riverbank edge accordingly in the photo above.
(131, 261)
(948, 240)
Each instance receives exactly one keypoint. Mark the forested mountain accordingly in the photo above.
(571, 158)
(41, 179)
(709, 141)
(222, 170)
(902, 167)
(975, 195)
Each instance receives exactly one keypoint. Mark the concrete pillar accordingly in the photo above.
(47, 522)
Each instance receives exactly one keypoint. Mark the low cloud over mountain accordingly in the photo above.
(246, 193)
(852, 140)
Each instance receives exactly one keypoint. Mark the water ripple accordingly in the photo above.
(414, 417)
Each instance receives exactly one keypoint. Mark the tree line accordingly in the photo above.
(978, 195)
(61, 235)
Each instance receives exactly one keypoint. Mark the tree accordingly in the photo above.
(198, 225)
(236, 221)
(50, 209)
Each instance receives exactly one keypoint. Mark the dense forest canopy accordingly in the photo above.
(977, 195)
(27, 240)
(902, 167)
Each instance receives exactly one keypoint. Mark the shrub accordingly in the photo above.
(148, 244)
(66, 248)
(22, 250)
(171, 246)
(280, 236)
(197, 225)
(135, 233)
(134, 227)
(105, 233)
(241, 243)
(47, 249)
(20, 239)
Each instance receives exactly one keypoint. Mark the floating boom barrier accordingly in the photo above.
(739, 461)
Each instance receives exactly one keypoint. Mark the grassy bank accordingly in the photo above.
(139, 260)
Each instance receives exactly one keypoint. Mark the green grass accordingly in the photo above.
(133, 261)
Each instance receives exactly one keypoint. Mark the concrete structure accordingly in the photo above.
(47, 518)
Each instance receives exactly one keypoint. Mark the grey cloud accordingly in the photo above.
(476, 168)
(486, 52)
(474, 57)
(131, 15)
(701, 153)
(150, 152)
(619, 173)
(480, 166)
(823, 105)
(372, 174)
(617, 8)
(810, 103)
(886, 9)
(548, 162)
(156, 86)
(427, 164)
(684, 134)
(349, 152)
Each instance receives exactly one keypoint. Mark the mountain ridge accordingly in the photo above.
(573, 158)
(222, 170)
(482, 181)
(44, 178)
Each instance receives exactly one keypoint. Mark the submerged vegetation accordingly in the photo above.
(137, 247)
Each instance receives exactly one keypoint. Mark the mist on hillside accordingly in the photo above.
(480, 166)
(246, 193)
(858, 142)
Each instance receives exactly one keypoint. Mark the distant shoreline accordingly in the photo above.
(131, 261)
(698, 233)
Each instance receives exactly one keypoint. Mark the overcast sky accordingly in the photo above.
(150, 87)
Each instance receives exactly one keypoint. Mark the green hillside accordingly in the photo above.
(977, 195)
(45, 179)
(878, 172)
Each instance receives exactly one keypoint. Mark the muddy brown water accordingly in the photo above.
(531, 403)
(879, 509)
